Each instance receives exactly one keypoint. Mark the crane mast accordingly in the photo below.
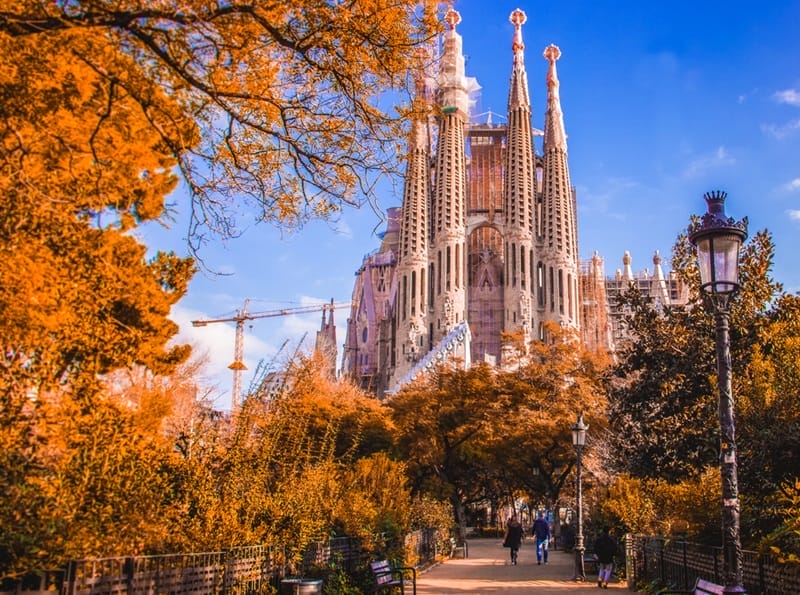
(238, 365)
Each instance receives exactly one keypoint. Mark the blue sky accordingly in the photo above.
(663, 101)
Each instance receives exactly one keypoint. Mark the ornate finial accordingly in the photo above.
(452, 18)
(656, 258)
(518, 18)
(626, 258)
(552, 53)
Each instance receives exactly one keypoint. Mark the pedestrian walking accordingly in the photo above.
(605, 547)
(541, 531)
(513, 537)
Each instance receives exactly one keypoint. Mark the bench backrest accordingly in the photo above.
(382, 571)
(704, 587)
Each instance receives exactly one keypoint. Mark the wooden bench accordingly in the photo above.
(388, 577)
(458, 546)
(701, 587)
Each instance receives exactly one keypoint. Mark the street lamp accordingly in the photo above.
(718, 240)
(578, 441)
(535, 482)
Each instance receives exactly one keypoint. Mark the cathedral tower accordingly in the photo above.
(519, 190)
(447, 250)
(557, 267)
(411, 304)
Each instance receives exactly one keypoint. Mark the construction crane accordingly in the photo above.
(243, 315)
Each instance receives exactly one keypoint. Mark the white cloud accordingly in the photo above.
(793, 186)
(703, 163)
(794, 215)
(790, 96)
(781, 132)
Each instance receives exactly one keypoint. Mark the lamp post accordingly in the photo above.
(718, 240)
(578, 441)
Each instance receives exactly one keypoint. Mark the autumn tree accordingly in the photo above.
(294, 468)
(443, 422)
(103, 475)
(79, 299)
(478, 435)
(285, 101)
(657, 507)
(555, 380)
(78, 171)
(82, 482)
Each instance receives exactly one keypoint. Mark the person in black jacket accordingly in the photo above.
(605, 547)
(541, 531)
(513, 537)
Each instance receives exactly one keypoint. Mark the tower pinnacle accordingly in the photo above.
(552, 53)
(518, 18)
(452, 18)
(555, 135)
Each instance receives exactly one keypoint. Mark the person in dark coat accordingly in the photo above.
(605, 547)
(541, 531)
(513, 537)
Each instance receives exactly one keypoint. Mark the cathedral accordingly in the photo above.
(486, 238)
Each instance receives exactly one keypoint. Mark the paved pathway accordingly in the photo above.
(488, 570)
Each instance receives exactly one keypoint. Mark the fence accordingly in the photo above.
(238, 571)
(680, 563)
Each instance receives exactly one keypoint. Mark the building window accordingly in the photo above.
(413, 293)
(439, 273)
(404, 301)
(449, 271)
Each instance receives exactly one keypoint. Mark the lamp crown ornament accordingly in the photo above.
(715, 217)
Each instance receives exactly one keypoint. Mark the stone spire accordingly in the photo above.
(519, 189)
(627, 270)
(448, 224)
(554, 133)
(559, 242)
(659, 290)
(325, 343)
(518, 94)
(412, 263)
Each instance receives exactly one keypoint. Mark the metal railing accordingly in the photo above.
(238, 571)
(677, 563)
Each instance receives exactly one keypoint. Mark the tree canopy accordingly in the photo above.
(477, 435)
(80, 166)
(278, 108)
